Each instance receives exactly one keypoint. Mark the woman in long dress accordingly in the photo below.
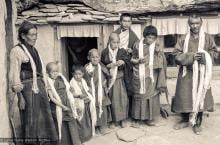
(27, 80)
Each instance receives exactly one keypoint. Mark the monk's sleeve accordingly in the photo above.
(135, 52)
(103, 55)
(184, 59)
(212, 49)
(124, 56)
(135, 56)
(87, 78)
(161, 81)
(14, 71)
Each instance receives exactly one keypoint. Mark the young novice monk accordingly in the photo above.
(97, 73)
(85, 104)
(148, 77)
(115, 60)
(62, 106)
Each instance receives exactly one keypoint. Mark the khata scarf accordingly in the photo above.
(202, 76)
(89, 69)
(78, 91)
(124, 39)
(33, 66)
(142, 66)
(114, 70)
(58, 108)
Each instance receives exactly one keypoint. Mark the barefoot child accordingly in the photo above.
(115, 60)
(149, 78)
(96, 73)
(85, 104)
(62, 106)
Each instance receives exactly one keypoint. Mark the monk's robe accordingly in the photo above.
(147, 106)
(127, 40)
(85, 124)
(182, 101)
(106, 102)
(36, 118)
(69, 132)
(118, 93)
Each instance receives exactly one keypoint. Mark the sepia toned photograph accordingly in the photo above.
(110, 72)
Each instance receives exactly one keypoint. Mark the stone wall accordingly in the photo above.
(4, 120)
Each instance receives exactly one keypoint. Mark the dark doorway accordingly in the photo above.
(78, 48)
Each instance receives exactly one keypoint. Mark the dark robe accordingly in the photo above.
(106, 114)
(85, 124)
(147, 106)
(128, 70)
(129, 67)
(118, 93)
(132, 37)
(182, 101)
(69, 135)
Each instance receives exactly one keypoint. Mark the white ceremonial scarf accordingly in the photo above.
(114, 70)
(58, 108)
(124, 39)
(78, 91)
(202, 75)
(89, 69)
(57, 97)
(33, 66)
(142, 66)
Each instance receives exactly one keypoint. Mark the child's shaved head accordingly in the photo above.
(92, 51)
(53, 69)
(52, 65)
(93, 56)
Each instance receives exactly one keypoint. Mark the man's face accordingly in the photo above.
(125, 23)
(114, 42)
(31, 37)
(195, 25)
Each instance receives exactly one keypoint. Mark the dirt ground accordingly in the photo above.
(164, 134)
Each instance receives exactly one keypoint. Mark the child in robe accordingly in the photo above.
(85, 104)
(149, 78)
(62, 106)
(96, 74)
(115, 60)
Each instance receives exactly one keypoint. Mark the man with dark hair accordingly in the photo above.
(193, 53)
(127, 40)
(127, 36)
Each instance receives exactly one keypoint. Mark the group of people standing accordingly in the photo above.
(125, 81)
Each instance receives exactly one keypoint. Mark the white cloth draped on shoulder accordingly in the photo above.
(202, 75)
(34, 71)
(113, 70)
(124, 39)
(89, 69)
(142, 66)
(57, 97)
(78, 92)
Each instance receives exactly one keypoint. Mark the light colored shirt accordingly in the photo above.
(124, 39)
